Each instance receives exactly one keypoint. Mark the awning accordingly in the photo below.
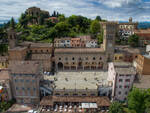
(89, 105)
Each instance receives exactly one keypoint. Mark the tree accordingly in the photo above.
(95, 27)
(133, 40)
(62, 29)
(12, 23)
(98, 18)
(139, 100)
(116, 107)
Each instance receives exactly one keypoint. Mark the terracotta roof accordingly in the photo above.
(24, 67)
(101, 101)
(4, 74)
(78, 50)
(31, 44)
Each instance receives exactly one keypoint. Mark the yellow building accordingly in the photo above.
(118, 57)
(3, 62)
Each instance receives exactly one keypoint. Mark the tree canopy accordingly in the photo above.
(133, 40)
(116, 107)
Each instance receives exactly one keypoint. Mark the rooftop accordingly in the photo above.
(79, 50)
(79, 80)
(101, 101)
(4, 74)
(143, 83)
(18, 48)
(24, 67)
(32, 44)
(124, 68)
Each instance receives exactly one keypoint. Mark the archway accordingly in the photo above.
(60, 66)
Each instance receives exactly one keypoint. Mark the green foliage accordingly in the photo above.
(6, 105)
(97, 31)
(139, 100)
(12, 23)
(81, 23)
(116, 107)
(62, 29)
(3, 49)
(98, 18)
(133, 40)
(61, 18)
(95, 27)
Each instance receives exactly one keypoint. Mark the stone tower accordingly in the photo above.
(12, 38)
(110, 30)
(130, 20)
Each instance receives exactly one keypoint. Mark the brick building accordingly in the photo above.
(25, 79)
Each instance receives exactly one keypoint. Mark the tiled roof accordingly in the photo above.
(24, 67)
(101, 101)
(79, 50)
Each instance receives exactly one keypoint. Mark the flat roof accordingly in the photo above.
(79, 80)
(4, 74)
(124, 68)
(24, 67)
(143, 83)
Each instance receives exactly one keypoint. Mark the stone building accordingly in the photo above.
(40, 52)
(126, 29)
(5, 85)
(144, 36)
(4, 62)
(122, 76)
(78, 58)
(142, 64)
(36, 13)
(25, 80)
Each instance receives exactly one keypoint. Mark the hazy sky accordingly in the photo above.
(107, 9)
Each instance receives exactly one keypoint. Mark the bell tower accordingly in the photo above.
(110, 30)
(12, 38)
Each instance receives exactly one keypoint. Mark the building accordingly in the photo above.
(40, 52)
(25, 79)
(36, 13)
(126, 29)
(78, 42)
(81, 58)
(144, 36)
(5, 85)
(122, 76)
(127, 53)
(142, 64)
(3, 62)
(77, 88)
(62, 42)
(52, 19)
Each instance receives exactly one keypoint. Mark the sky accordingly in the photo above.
(113, 10)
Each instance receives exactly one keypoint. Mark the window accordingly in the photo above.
(57, 94)
(34, 89)
(92, 94)
(16, 88)
(21, 80)
(120, 80)
(119, 92)
(28, 89)
(100, 58)
(47, 50)
(22, 88)
(120, 86)
(86, 58)
(41, 51)
(66, 94)
(66, 58)
(59, 58)
(16, 80)
(83, 94)
(127, 80)
(27, 80)
(75, 94)
(33, 81)
(94, 58)
(73, 58)
(126, 93)
(126, 86)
